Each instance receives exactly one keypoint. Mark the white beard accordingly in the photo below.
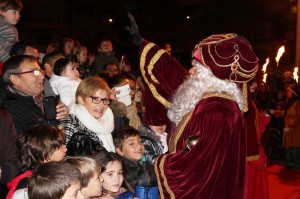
(193, 89)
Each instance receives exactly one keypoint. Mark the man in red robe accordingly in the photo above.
(207, 157)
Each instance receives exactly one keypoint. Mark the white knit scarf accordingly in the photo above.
(102, 127)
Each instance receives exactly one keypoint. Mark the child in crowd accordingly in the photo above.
(91, 179)
(118, 108)
(139, 101)
(65, 80)
(85, 61)
(55, 180)
(127, 65)
(112, 175)
(135, 108)
(9, 17)
(132, 83)
(53, 46)
(65, 46)
(111, 69)
(117, 81)
(153, 142)
(139, 94)
(47, 65)
(129, 146)
(37, 145)
(105, 55)
(160, 131)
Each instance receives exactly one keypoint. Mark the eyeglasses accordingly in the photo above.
(97, 100)
(35, 72)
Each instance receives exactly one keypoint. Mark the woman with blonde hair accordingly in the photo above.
(90, 115)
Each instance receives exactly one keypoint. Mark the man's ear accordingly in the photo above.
(14, 79)
(119, 151)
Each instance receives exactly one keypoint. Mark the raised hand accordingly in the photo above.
(134, 31)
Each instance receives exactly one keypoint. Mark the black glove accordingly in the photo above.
(134, 31)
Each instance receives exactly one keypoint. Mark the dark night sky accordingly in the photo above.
(267, 24)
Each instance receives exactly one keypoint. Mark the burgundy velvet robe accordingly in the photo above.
(257, 178)
(252, 142)
(163, 75)
(215, 167)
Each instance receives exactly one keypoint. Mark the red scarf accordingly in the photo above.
(12, 185)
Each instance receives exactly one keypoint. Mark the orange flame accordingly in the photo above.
(264, 69)
(265, 78)
(295, 74)
(281, 50)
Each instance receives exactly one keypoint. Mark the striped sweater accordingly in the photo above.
(8, 37)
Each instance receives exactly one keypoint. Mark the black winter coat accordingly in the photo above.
(153, 146)
(24, 112)
(137, 174)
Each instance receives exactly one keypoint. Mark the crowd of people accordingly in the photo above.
(75, 125)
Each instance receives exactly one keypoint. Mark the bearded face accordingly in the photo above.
(192, 90)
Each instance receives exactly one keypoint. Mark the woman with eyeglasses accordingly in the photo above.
(90, 115)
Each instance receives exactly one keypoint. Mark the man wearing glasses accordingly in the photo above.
(23, 96)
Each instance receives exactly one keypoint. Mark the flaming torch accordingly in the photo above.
(265, 78)
(280, 51)
(264, 69)
(295, 74)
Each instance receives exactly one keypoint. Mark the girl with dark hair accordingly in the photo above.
(114, 183)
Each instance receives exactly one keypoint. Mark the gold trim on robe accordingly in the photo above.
(152, 62)
(172, 149)
(173, 142)
(178, 132)
(165, 181)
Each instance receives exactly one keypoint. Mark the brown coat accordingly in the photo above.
(292, 121)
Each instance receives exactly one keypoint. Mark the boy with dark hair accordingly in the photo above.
(55, 180)
(122, 134)
(129, 146)
(37, 145)
(47, 65)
